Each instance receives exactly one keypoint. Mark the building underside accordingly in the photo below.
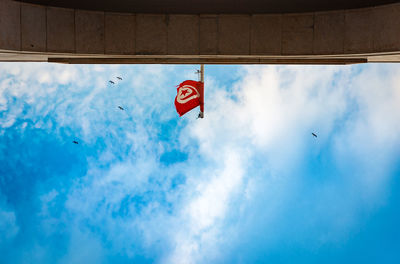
(212, 6)
(200, 31)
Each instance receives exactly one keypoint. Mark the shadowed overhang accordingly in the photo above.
(212, 6)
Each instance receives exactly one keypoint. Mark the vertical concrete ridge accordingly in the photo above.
(280, 40)
(266, 34)
(343, 31)
(183, 34)
(151, 34)
(297, 34)
(33, 27)
(46, 28)
(250, 31)
(313, 35)
(167, 35)
(20, 26)
(218, 35)
(234, 34)
(75, 30)
(104, 33)
(119, 33)
(10, 25)
(136, 30)
(329, 32)
(387, 34)
(60, 30)
(198, 35)
(208, 35)
(358, 31)
(89, 32)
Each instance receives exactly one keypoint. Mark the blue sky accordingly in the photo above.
(247, 184)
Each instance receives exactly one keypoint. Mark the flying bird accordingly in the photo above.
(119, 78)
(75, 142)
(111, 82)
(314, 134)
(120, 107)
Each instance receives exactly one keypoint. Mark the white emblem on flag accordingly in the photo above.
(187, 93)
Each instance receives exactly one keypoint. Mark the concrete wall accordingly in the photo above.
(26, 28)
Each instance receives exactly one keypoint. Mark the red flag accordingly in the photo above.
(190, 95)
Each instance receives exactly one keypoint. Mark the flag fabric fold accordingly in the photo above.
(190, 94)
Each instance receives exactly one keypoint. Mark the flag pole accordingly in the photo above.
(201, 114)
(202, 73)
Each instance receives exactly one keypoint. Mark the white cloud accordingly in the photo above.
(83, 248)
(245, 158)
(202, 217)
(8, 224)
(271, 113)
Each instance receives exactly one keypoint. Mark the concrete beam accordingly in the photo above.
(60, 34)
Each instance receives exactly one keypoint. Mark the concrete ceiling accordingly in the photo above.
(212, 6)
